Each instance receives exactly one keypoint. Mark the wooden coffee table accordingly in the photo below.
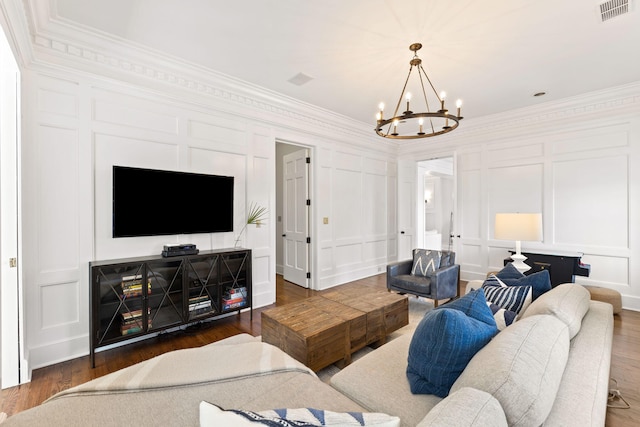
(386, 312)
(328, 329)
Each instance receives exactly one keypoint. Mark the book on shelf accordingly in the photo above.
(133, 326)
(200, 305)
(133, 314)
(133, 288)
(231, 306)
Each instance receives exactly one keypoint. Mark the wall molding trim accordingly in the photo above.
(558, 116)
(59, 44)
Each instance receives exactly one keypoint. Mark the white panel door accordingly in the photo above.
(295, 217)
(10, 316)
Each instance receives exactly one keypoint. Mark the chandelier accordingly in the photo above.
(411, 125)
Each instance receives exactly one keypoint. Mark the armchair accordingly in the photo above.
(440, 284)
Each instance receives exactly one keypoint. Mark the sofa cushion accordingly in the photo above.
(377, 382)
(212, 415)
(444, 342)
(522, 368)
(512, 298)
(540, 282)
(466, 407)
(425, 262)
(568, 302)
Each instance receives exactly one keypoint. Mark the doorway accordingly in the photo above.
(293, 212)
(436, 189)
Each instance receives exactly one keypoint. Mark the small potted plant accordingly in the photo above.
(256, 215)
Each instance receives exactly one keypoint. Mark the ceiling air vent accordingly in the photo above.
(613, 8)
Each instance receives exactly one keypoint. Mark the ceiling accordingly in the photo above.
(493, 54)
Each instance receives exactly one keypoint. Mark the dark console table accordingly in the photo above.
(562, 267)
(133, 297)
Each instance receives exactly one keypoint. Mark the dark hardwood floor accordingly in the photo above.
(47, 381)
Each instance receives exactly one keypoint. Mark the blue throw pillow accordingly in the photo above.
(509, 272)
(445, 341)
(540, 282)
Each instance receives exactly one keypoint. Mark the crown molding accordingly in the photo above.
(62, 45)
(620, 103)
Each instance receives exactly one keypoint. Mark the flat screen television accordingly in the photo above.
(149, 202)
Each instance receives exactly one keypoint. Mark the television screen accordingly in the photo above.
(148, 202)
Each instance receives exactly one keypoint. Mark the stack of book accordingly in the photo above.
(234, 298)
(132, 321)
(132, 286)
(199, 305)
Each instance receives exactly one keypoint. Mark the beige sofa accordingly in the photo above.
(550, 367)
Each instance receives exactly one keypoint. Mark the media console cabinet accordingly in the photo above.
(133, 297)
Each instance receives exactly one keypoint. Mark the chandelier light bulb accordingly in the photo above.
(459, 104)
(443, 95)
(420, 122)
(395, 128)
(408, 99)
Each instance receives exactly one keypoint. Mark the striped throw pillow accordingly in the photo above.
(512, 298)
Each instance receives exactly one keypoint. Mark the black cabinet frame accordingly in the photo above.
(133, 297)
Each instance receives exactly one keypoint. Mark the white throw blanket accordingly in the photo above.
(209, 364)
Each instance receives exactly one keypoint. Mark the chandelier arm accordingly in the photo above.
(395, 112)
(430, 84)
(424, 93)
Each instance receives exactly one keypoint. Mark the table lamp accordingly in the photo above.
(518, 227)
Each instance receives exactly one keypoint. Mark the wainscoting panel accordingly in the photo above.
(506, 153)
(514, 189)
(601, 139)
(61, 303)
(347, 204)
(125, 114)
(471, 255)
(222, 132)
(470, 195)
(374, 212)
(53, 101)
(375, 252)
(590, 205)
(348, 256)
(57, 190)
(608, 271)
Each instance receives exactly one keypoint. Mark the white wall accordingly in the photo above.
(577, 161)
(77, 127)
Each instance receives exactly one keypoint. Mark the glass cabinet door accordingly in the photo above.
(234, 269)
(202, 288)
(165, 307)
(121, 306)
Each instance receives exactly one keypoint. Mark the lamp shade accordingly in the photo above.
(518, 226)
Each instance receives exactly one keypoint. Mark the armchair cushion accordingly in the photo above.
(425, 262)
